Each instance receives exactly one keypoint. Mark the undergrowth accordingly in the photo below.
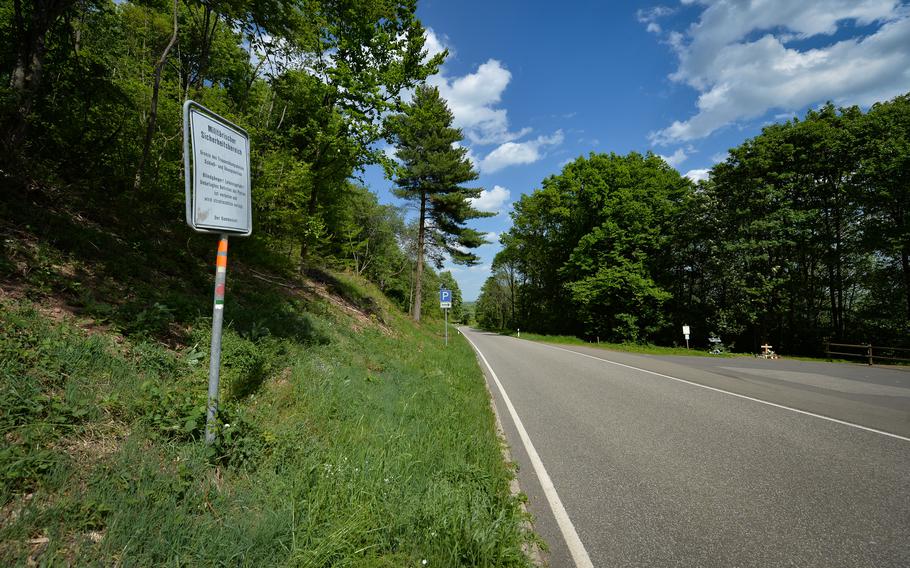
(347, 435)
(644, 348)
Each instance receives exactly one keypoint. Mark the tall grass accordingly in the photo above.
(644, 348)
(340, 445)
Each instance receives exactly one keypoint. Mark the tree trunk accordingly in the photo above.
(25, 79)
(207, 38)
(418, 290)
(153, 107)
(905, 267)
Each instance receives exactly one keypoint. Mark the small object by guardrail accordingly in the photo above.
(767, 352)
(867, 351)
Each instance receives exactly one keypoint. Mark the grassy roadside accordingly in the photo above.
(646, 349)
(363, 450)
(349, 436)
(624, 347)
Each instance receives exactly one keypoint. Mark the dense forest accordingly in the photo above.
(91, 94)
(801, 235)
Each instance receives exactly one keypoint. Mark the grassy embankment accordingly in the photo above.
(350, 437)
(643, 348)
(648, 349)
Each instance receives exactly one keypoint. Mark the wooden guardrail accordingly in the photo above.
(867, 352)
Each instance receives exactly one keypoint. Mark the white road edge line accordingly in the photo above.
(576, 548)
(694, 384)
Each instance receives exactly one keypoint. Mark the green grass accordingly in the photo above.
(647, 349)
(643, 348)
(349, 436)
(364, 449)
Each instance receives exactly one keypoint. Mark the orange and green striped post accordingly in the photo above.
(217, 322)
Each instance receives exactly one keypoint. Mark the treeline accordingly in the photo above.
(91, 93)
(801, 235)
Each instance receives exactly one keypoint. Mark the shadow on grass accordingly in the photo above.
(146, 280)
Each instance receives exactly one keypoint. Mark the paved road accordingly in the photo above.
(654, 471)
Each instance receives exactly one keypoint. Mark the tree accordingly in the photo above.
(494, 304)
(588, 252)
(885, 183)
(365, 54)
(32, 22)
(431, 174)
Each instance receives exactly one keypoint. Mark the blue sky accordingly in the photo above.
(535, 84)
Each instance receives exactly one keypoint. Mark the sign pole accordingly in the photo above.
(445, 302)
(216, 164)
(217, 321)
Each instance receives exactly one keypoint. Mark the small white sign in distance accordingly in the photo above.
(217, 159)
(685, 330)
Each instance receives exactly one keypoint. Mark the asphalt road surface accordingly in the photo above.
(632, 460)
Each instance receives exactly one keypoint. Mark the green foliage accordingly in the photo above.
(349, 456)
(335, 446)
(310, 82)
(432, 173)
(432, 170)
(800, 235)
(591, 245)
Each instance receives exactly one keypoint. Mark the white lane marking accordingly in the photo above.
(576, 548)
(737, 395)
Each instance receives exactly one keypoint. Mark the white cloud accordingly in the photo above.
(473, 99)
(492, 237)
(491, 200)
(720, 157)
(466, 269)
(515, 153)
(738, 57)
(698, 175)
(433, 45)
(675, 159)
(653, 14)
(390, 152)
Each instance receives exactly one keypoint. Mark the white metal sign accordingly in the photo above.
(217, 160)
(685, 330)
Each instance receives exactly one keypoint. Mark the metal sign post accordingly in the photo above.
(686, 333)
(445, 302)
(216, 157)
(217, 321)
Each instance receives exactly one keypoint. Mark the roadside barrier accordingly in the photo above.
(868, 352)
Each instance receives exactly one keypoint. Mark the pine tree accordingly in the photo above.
(432, 170)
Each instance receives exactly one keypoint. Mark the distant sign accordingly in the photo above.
(445, 299)
(217, 160)
(685, 330)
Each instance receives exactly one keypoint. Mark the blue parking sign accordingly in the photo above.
(445, 298)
